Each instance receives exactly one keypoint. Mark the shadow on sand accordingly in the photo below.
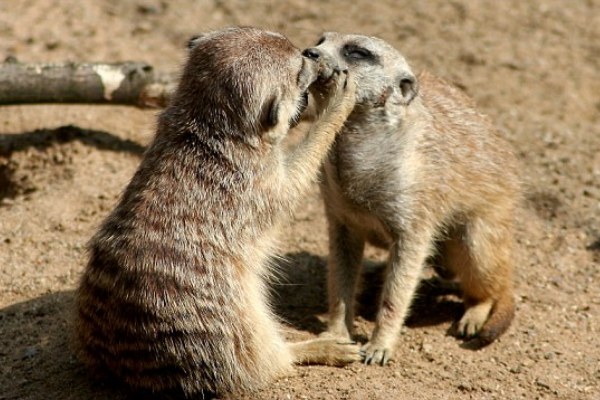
(301, 295)
(43, 138)
(36, 354)
(12, 180)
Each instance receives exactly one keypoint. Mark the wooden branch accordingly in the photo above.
(128, 83)
(131, 83)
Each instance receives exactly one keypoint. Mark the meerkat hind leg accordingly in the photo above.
(483, 270)
(325, 351)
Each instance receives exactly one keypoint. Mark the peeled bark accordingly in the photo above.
(130, 83)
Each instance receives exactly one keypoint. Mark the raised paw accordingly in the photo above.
(333, 87)
(343, 92)
(372, 353)
(332, 80)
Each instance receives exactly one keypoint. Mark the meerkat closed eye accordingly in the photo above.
(174, 297)
(418, 171)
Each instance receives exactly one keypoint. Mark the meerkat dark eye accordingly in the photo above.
(357, 53)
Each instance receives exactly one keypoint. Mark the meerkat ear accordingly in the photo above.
(270, 113)
(272, 127)
(194, 41)
(409, 88)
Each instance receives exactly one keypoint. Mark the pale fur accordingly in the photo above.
(418, 171)
(174, 297)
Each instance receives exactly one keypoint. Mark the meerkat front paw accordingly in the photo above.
(333, 88)
(331, 82)
(345, 94)
(336, 94)
(375, 353)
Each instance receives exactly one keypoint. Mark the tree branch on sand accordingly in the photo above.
(128, 83)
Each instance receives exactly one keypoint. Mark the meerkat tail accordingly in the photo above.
(499, 320)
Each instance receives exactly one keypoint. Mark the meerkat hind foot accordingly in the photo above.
(473, 319)
(336, 352)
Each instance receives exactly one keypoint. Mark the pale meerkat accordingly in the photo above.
(418, 171)
(174, 297)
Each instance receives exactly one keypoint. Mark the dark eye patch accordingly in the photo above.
(354, 52)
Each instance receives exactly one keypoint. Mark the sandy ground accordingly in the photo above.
(532, 66)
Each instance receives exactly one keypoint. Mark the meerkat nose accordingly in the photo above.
(312, 53)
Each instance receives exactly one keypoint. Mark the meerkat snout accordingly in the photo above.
(329, 65)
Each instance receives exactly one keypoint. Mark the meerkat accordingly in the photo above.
(174, 296)
(417, 171)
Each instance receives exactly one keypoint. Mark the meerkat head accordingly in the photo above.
(383, 75)
(245, 83)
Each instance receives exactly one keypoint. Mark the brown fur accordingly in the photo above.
(416, 170)
(174, 296)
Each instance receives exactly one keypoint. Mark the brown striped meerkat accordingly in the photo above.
(174, 297)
